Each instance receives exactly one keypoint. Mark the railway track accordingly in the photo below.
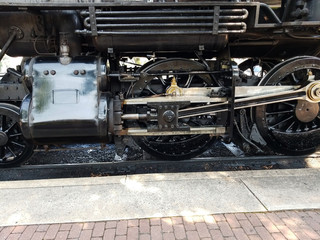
(97, 169)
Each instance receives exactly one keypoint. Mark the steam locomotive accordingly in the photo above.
(170, 75)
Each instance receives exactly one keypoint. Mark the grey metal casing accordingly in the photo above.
(65, 101)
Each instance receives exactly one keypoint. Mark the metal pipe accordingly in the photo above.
(6, 46)
(134, 116)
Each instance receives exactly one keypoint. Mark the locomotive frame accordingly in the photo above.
(78, 82)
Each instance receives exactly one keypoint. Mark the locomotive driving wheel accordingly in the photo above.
(291, 127)
(181, 146)
(14, 149)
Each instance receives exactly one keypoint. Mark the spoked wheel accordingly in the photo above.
(181, 146)
(14, 149)
(291, 127)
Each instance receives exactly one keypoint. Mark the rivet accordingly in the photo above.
(46, 72)
(83, 72)
(76, 72)
(53, 72)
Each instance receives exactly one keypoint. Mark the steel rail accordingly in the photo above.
(48, 171)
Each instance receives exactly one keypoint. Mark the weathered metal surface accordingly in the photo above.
(65, 101)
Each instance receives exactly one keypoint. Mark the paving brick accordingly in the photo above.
(302, 235)
(278, 236)
(121, 238)
(240, 234)
(211, 222)
(14, 236)
(312, 223)
(192, 235)
(230, 238)
(75, 230)
(155, 221)
(88, 226)
(19, 229)
(290, 223)
(166, 225)
(188, 224)
(144, 226)
(310, 232)
(197, 219)
(241, 216)
(145, 237)
(98, 229)
(6, 232)
(202, 229)
(28, 232)
(219, 217)
(176, 220)
(39, 236)
(261, 216)
(168, 236)
(275, 219)
(302, 225)
(64, 227)
(133, 233)
(52, 231)
(133, 223)
(85, 234)
(295, 217)
(254, 220)
(122, 227)
(232, 220)
(225, 229)
(111, 224)
(269, 225)
(254, 237)
(302, 214)
(62, 235)
(109, 234)
(314, 215)
(282, 214)
(179, 231)
(156, 233)
(263, 233)
(247, 227)
(216, 234)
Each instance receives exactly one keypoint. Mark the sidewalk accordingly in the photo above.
(266, 204)
(302, 225)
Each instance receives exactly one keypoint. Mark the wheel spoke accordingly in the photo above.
(283, 121)
(290, 127)
(280, 112)
(9, 128)
(289, 104)
(15, 135)
(18, 144)
(295, 80)
(12, 152)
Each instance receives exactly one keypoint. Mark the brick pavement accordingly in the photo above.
(302, 225)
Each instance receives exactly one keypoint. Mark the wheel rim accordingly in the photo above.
(173, 147)
(291, 127)
(13, 147)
